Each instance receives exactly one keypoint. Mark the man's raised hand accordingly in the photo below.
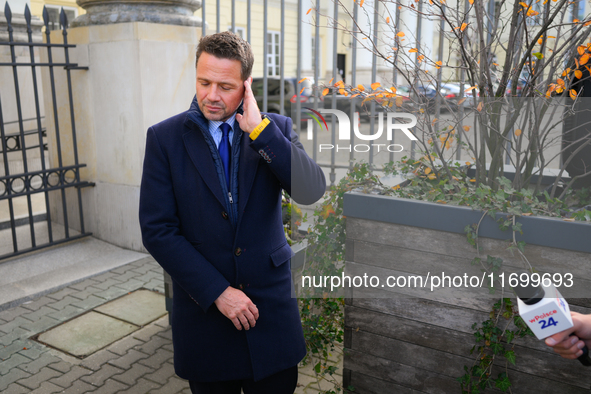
(237, 307)
(251, 116)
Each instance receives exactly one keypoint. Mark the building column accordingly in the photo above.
(141, 70)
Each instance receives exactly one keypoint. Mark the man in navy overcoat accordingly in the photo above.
(210, 214)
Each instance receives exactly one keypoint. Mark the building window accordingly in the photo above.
(580, 14)
(240, 31)
(536, 19)
(273, 53)
(54, 16)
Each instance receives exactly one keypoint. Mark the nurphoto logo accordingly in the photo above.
(344, 133)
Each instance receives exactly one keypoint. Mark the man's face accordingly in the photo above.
(220, 88)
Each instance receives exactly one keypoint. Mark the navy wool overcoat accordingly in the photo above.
(207, 242)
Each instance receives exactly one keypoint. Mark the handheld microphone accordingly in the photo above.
(546, 313)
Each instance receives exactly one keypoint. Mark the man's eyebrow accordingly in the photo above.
(231, 84)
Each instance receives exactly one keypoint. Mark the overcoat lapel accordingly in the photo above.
(200, 155)
(249, 162)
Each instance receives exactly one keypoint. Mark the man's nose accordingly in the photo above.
(213, 93)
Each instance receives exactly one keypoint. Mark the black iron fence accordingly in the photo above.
(31, 183)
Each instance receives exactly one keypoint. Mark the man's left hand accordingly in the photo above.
(251, 117)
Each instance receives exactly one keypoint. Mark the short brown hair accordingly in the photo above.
(227, 45)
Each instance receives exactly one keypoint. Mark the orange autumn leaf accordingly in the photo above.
(463, 27)
(466, 128)
(355, 95)
(584, 59)
(470, 88)
(480, 106)
(302, 91)
(581, 49)
(471, 1)
(413, 50)
(308, 11)
(427, 171)
(560, 82)
(325, 92)
(329, 82)
(388, 20)
(517, 132)
(576, 20)
(302, 80)
(326, 211)
(361, 88)
(438, 64)
(573, 94)
(342, 91)
(399, 100)
(400, 34)
(375, 85)
(578, 74)
(461, 101)
(339, 84)
(361, 3)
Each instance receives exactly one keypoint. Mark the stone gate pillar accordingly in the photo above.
(141, 69)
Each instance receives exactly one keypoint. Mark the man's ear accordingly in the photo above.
(249, 79)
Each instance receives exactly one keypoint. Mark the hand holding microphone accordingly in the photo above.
(570, 343)
(548, 316)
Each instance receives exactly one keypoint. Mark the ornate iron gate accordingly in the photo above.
(28, 182)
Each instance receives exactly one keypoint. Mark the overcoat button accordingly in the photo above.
(225, 215)
(241, 286)
(238, 252)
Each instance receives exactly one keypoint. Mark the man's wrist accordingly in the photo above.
(261, 126)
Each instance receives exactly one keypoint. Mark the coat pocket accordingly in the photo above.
(281, 254)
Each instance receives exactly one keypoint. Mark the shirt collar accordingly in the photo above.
(214, 125)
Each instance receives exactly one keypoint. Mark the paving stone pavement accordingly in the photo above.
(139, 363)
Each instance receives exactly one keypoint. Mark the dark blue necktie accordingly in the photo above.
(225, 151)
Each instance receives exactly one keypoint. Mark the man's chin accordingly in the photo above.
(215, 116)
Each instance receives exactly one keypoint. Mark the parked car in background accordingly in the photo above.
(523, 79)
(274, 104)
(308, 97)
(450, 92)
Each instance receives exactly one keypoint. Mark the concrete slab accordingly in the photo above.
(86, 334)
(139, 308)
(36, 274)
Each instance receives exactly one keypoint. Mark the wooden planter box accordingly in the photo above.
(421, 343)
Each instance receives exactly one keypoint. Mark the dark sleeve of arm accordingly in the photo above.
(298, 174)
(161, 235)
